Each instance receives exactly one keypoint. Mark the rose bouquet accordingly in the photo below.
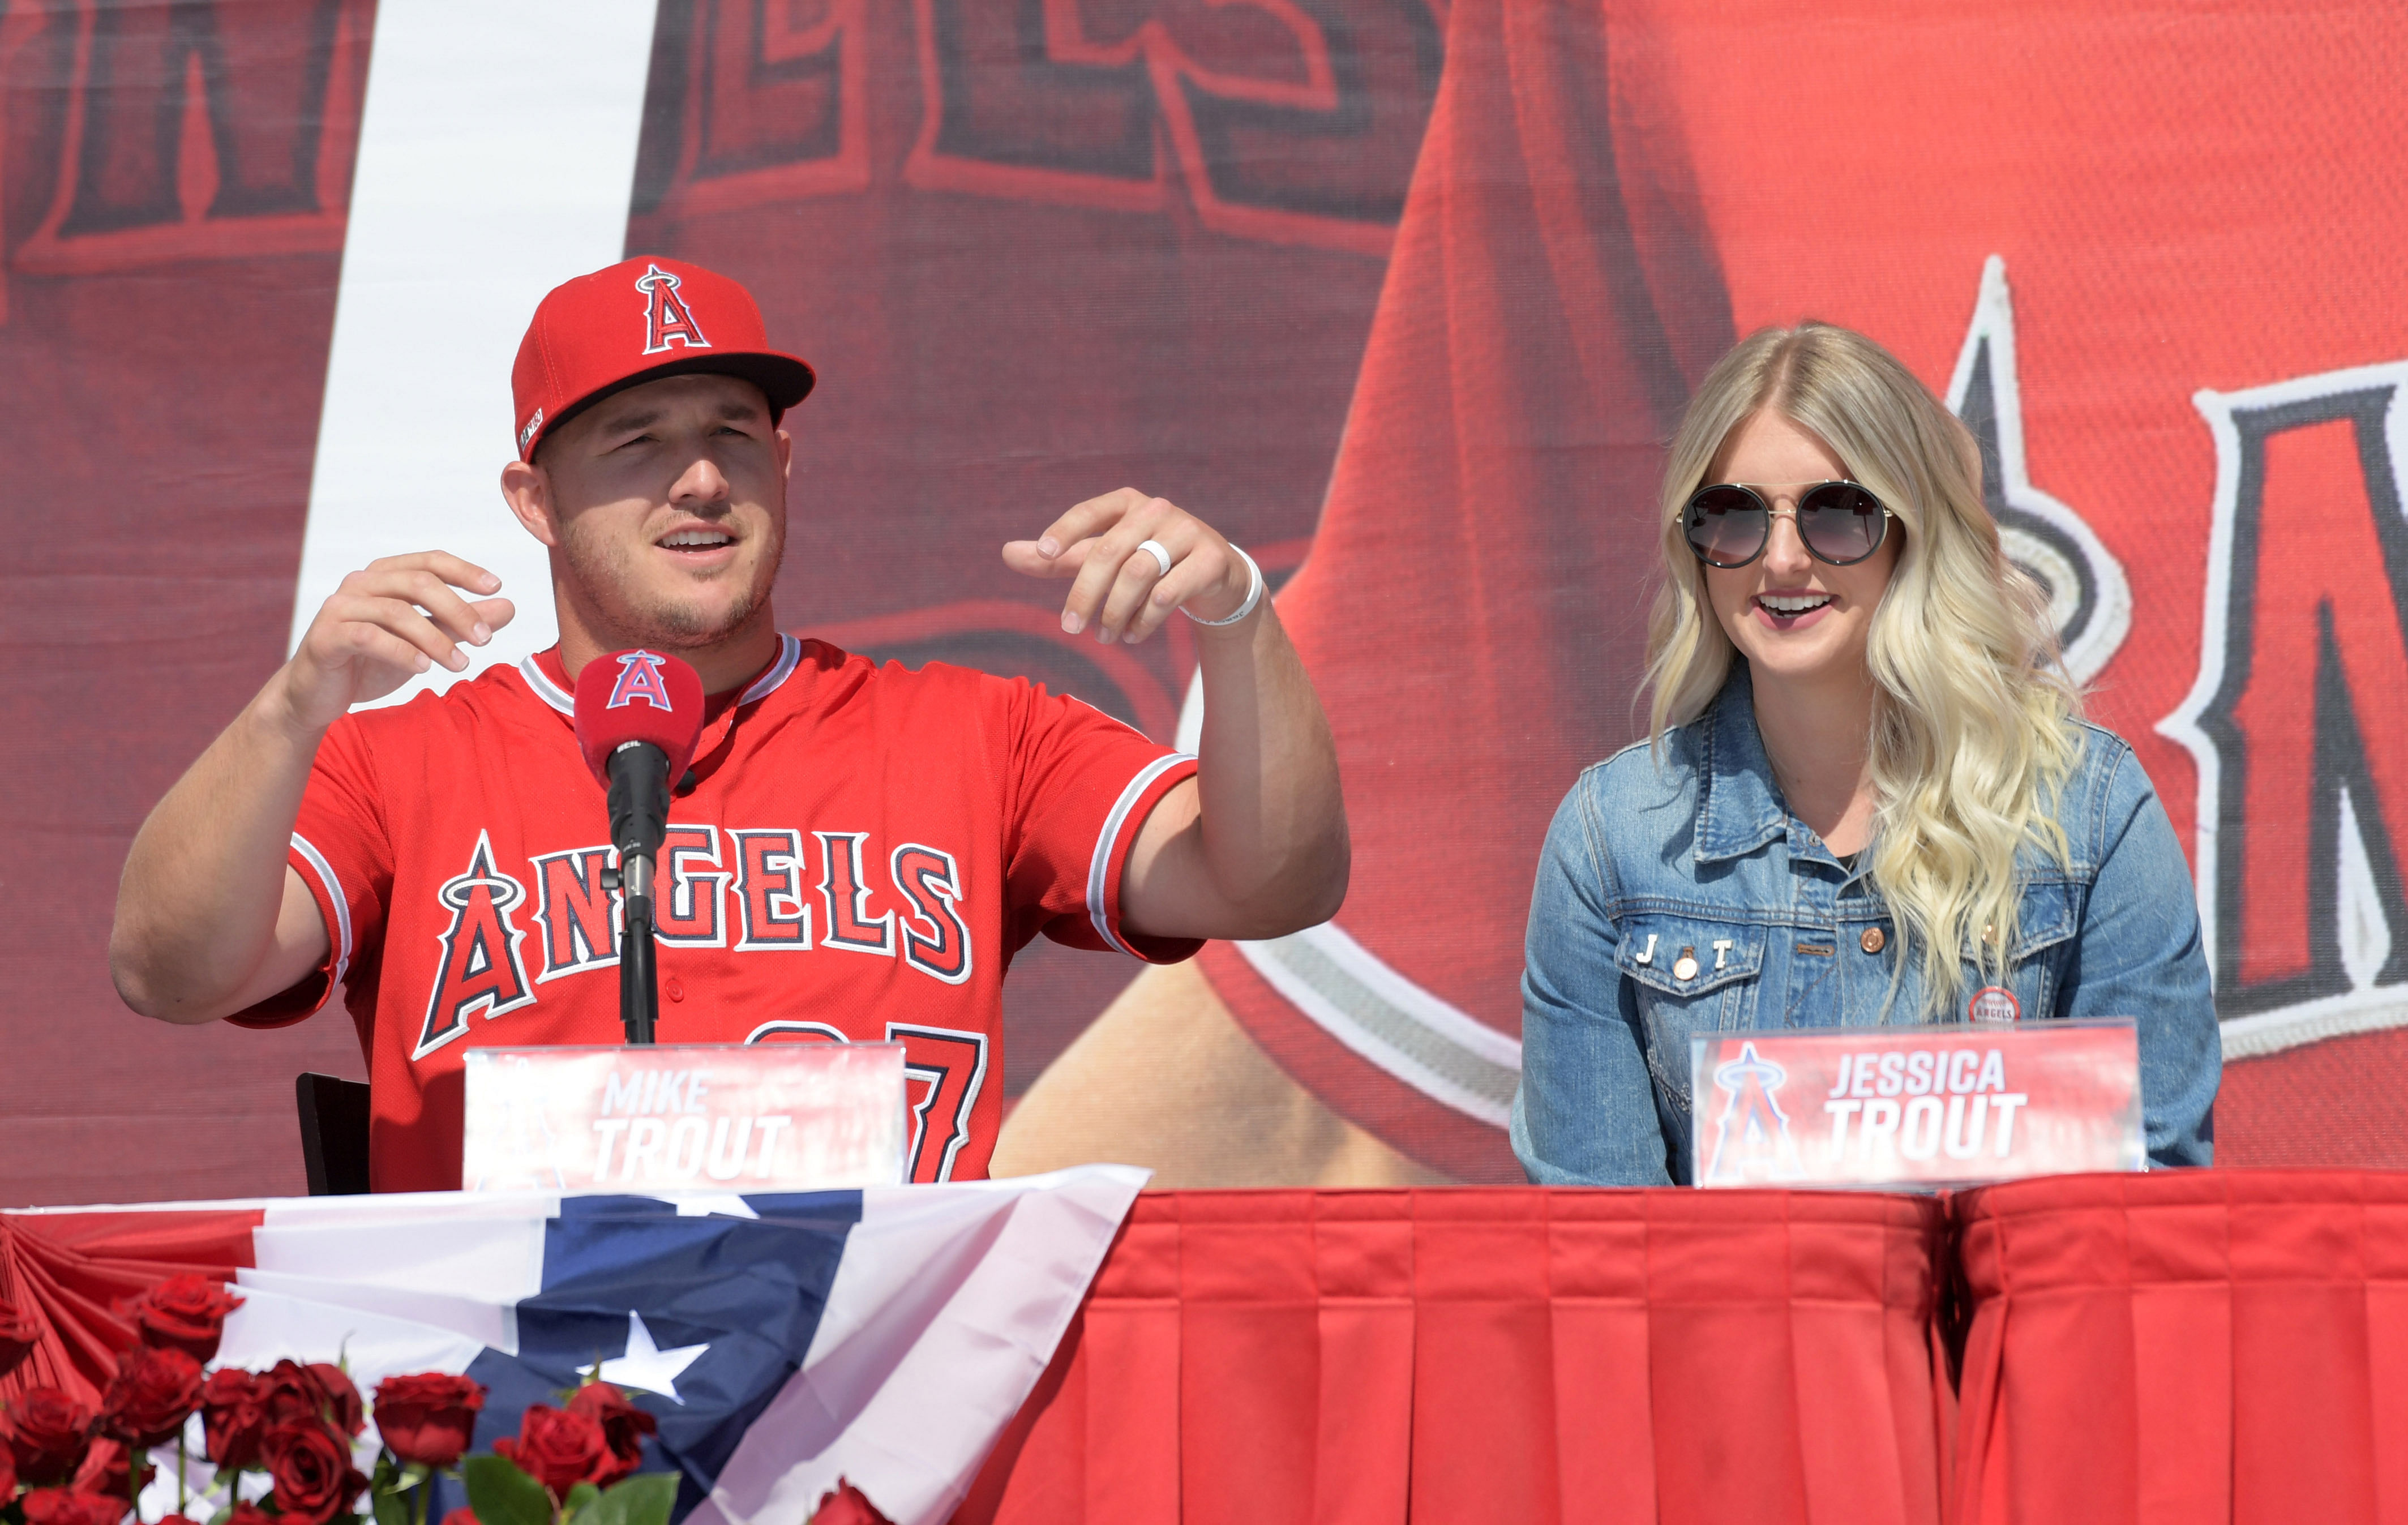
(298, 1429)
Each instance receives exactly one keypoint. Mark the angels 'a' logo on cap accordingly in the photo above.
(666, 317)
(640, 678)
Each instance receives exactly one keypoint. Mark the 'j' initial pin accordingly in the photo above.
(1685, 967)
(1647, 955)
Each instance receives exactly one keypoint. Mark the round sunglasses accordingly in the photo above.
(1728, 523)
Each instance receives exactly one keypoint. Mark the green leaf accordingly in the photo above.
(579, 1497)
(501, 1494)
(390, 1508)
(222, 1515)
(639, 1501)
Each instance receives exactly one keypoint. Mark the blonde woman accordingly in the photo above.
(1867, 797)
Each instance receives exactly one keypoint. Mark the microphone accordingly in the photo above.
(638, 718)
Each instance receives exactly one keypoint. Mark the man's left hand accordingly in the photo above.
(1120, 591)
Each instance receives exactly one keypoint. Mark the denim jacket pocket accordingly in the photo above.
(1691, 976)
(2048, 917)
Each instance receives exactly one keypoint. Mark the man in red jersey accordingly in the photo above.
(856, 853)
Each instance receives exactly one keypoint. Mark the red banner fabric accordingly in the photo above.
(2183, 1346)
(70, 1272)
(1513, 1354)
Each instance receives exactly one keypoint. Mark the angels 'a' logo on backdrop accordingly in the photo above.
(481, 967)
(666, 317)
(1751, 1137)
(640, 678)
(2298, 719)
(2088, 601)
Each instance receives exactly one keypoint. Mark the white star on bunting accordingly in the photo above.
(646, 1366)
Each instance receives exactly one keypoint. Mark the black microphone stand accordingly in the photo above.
(640, 993)
(639, 807)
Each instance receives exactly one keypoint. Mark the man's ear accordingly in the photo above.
(785, 455)
(528, 491)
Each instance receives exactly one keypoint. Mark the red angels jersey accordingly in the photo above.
(856, 854)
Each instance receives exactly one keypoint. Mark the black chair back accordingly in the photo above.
(334, 1134)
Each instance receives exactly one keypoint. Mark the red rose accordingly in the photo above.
(462, 1515)
(624, 1429)
(286, 1390)
(427, 1417)
(556, 1448)
(186, 1313)
(232, 1419)
(290, 1391)
(19, 1331)
(7, 1475)
(67, 1506)
(313, 1469)
(847, 1505)
(250, 1513)
(155, 1391)
(48, 1433)
(343, 1410)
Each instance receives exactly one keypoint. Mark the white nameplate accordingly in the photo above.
(1915, 1106)
(718, 1118)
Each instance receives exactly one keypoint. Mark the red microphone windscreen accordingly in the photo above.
(637, 696)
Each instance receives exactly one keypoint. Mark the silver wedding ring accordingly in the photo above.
(1161, 556)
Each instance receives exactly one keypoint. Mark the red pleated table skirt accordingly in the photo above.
(2187, 1346)
(1508, 1355)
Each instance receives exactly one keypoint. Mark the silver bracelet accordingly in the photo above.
(1253, 594)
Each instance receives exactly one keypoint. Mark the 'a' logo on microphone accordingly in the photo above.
(640, 678)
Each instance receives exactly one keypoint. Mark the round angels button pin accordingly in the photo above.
(1993, 1003)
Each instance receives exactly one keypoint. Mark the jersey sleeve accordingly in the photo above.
(341, 850)
(1080, 786)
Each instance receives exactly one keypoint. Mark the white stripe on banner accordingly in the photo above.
(946, 1309)
(497, 157)
(1448, 1055)
(1374, 1008)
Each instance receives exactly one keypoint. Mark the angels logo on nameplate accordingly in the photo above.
(1915, 1106)
(707, 1117)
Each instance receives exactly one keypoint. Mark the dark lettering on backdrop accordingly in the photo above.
(1289, 123)
(2089, 601)
(184, 132)
(2300, 878)
(752, 102)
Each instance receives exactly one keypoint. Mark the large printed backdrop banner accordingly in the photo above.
(1402, 294)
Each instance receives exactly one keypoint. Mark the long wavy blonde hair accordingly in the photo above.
(1971, 730)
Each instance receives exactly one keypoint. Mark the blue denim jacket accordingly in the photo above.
(1703, 852)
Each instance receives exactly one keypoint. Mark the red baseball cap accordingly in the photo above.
(637, 321)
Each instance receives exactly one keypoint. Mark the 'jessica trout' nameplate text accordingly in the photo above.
(1915, 1106)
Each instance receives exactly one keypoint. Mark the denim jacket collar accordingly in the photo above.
(1738, 807)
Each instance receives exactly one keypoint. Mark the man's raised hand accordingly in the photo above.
(1120, 590)
(383, 626)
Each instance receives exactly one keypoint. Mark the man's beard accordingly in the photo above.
(603, 570)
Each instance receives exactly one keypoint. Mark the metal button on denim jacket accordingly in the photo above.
(1686, 897)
